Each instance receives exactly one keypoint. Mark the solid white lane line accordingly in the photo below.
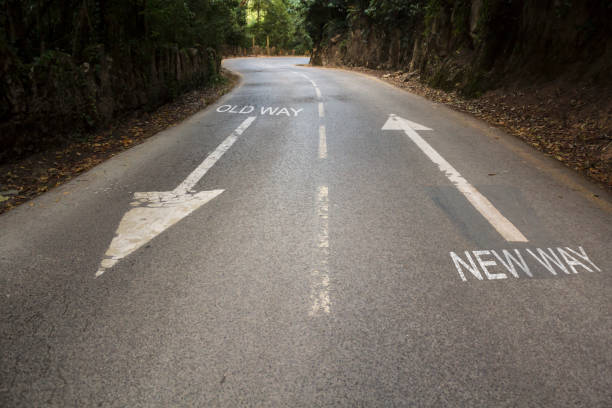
(480, 202)
(318, 92)
(212, 158)
(322, 143)
(321, 110)
(319, 293)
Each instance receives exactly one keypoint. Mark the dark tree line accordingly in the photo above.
(544, 36)
(70, 66)
(32, 27)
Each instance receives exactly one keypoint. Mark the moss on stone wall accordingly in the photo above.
(474, 45)
(54, 98)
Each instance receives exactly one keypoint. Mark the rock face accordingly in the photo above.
(54, 98)
(475, 45)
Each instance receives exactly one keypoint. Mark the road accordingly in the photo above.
(315, 238)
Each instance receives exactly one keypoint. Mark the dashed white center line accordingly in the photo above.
(322, 143)
(320, 303)
(319, 292)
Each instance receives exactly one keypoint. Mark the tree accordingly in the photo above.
(280, 21)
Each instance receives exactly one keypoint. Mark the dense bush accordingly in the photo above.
(80, 27)
(68, 67)
(473, 44)
(281, 22)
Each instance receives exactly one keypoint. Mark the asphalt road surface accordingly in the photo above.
(315, 238)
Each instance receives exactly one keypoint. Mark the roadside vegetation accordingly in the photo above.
(83, 79)
(540, 69)
(74, 69)
(71, 67)
(278, 24)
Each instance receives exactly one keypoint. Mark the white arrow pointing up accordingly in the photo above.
(154, 212)
(396, 123)
(480, 202)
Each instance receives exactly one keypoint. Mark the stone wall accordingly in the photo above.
(54, 99)
(474, 45)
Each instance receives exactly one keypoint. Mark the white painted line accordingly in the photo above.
(210, 161)
(322, 143)
(314, 84)
(480, 202)
(157, 211)
(319, 291)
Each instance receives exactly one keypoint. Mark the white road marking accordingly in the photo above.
(284, 111)
(545, 260)
(309, 80)
(141, 224)
(319, 291)
(224, 108)
(484, 263)
(212, 158)
(569, 260)
(314, 84)
(322, 143)
(480, 202)
(511, 261)
(156, 211)
(263, 111)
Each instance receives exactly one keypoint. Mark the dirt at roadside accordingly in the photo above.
(571, 123)
(25, 179)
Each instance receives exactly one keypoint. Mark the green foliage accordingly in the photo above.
(461, 17)
(475, 85)
(562, 8)
(281, 22)
(395, 12)
(32, 27)
(325, 18)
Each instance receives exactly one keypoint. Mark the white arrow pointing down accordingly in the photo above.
(480, 202)
(155, 211)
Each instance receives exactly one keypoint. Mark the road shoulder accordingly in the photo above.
(26, 179)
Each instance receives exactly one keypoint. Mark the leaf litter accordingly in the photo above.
(569, 122)
(30, 177)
